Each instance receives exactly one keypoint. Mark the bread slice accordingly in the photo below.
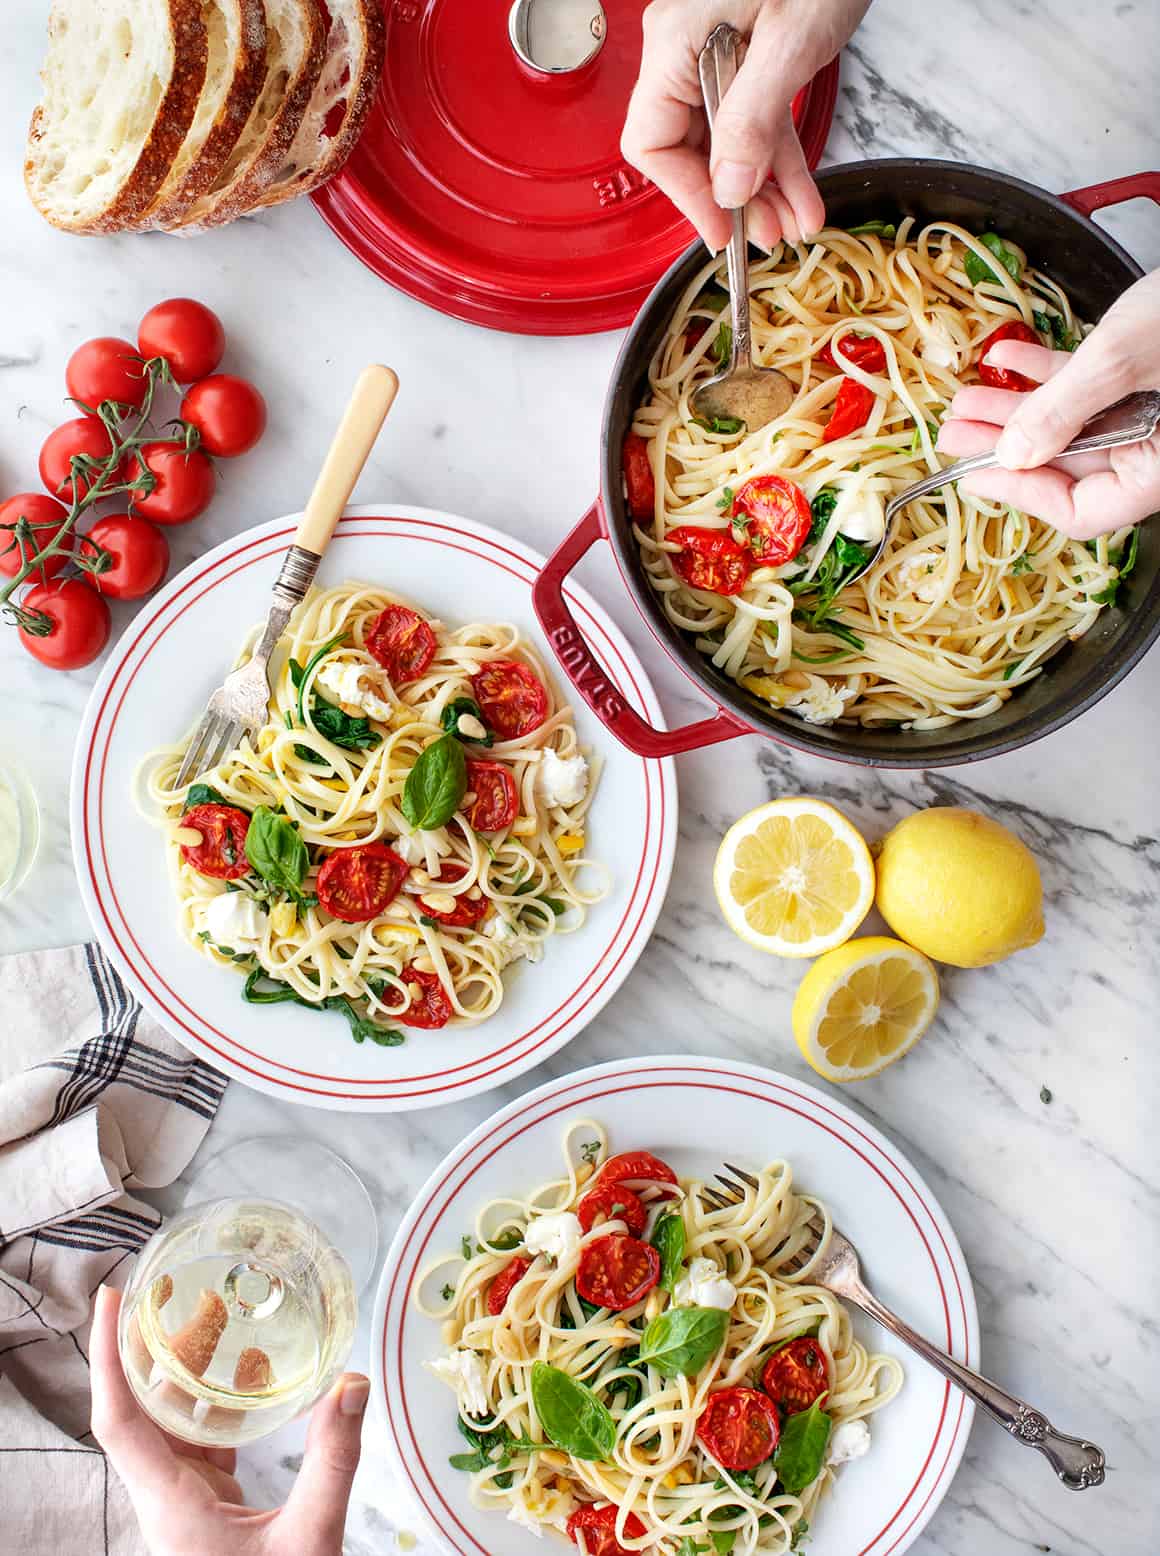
(295, 54)
(235, 73)
(122, 81)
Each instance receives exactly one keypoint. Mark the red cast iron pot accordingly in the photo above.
(1060, 239)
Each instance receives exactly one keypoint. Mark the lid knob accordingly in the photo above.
(555, 37)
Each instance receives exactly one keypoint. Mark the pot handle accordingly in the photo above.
(1115, 190)
(585, 672)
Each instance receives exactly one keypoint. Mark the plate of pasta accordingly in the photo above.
(425, 871)
(573, 1342)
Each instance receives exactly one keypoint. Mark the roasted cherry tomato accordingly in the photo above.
(355, 884)
(513, 699)
(637, 1169)
(505, 1283)
(497, 800)
(617, 1271)
(864, 351)
(228, 412)
(187, 334)
(45, 515)
(597, 1527)
(222, 850)
(140, 554)
(82, 435)
(778, 515)
(795, 1375)
(638, 477)
(429, 1008)
(1003, 377)
(612, 1202)
(739, 1427)
(106, 369)
(709, 559)
(851, 410)
(467, 910)
(78, 624)
(402, 642)
(182, 483)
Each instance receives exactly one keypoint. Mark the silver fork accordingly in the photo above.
(238, 706)
(1078, 1463)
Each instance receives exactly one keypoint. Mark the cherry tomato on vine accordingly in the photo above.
(355, 884)
(638, 477)
(221, 854)
(183, 483)
(228, 412)
(78, 626)
(739, 1427)
(851, 410)
(778, 515)
(795, 1375)
(1005, 377)
(107, 368)
(140, 554)
(505, 1283)
(45, 515)
(709, 559)
(187, 334)
(598, 1527)
(83, 435)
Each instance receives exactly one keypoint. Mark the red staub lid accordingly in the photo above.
(494, 190)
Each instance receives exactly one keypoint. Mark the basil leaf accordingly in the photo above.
(723, 1540)
(202, 794)
(978, 270)
(800, 1453)
(275, 850)
(680, 1341)
(436, 784)
(451, 716)
(669, 1241)
(571, 1414)
(878, 228)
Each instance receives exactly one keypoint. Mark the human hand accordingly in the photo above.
(665, 132)
(1088, 494)
(186, 1498)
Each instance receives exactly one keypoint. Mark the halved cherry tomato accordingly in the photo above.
(497, 800)
(709, 559)
(779, 518)
(851, 410)
(82, 435)
(739, 1427)
(597, 1527)
(139, 552)
(78, 624)
(617, 1271)
(182, 483)
(513, 699)
(795, 1376)
(401, 641)
(187, 334)
(1003, 377)
(429, 1008)
(612, 1202)
(355, 884)
(45, 515)
(221, 854)
(864, 351)
(228, 412)
(467, 910)
(106, 369)
(637, 1169)
(505, 1283)
(639, 482)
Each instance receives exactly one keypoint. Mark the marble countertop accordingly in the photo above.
(1055, 1202)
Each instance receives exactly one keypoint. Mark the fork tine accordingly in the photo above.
(713, 1200)
(228, 738)
(746, 1177)
(736, 1191)
(192, 764)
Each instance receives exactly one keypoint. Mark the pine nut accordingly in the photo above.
(418, 877)
(422, 964)
(438, 902)
(467, 724)
(188, 837)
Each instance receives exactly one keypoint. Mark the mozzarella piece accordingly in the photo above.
(356, 687)
(409, 846)
(561, 780)
(822, 702)
(234, 919)
(538, 1507)
(705, 1285)
(557, 1234)
(464, 1371)
(849, 1440)
(859, 514)
(508, 935)
(919, 575)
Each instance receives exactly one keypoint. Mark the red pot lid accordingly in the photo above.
(497, 193)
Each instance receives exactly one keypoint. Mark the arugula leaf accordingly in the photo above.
(202, 794)
(1123, 561)
(879, 228)
(711, 298)
(721, 350)
(801, 1452)
(1052, 324)
(491, 1448)
(729, 425)
(276, 851)
(436, 784)
(978, 270)
(451, 716)
(511, 1237)
(820, 509)
(669, 1241)
(681, 1340)
(571, 1415)
(261, 989)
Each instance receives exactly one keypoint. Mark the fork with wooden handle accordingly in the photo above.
(238, 706)
(834, 1265)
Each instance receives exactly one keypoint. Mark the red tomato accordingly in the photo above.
(851, 410)
(187, 334)
(497, 801)
(46, 516)
(637, 1169)
(597, 1526)
(505, 1283)
(638, 477)
(106, 369)
(183, 483)
(467, 910)
(864, 351)
(1003, 377)
(429, 1008)
(739, 1427)
(617, 1271)
(710, 559)
(140, 554)
(779, 518)
(82, 435)
(612, 1202)
(228, 412)
(795, 1376)
(221, 853)
(355, 884)
(78, 624)
(512, 697)
(402, 642)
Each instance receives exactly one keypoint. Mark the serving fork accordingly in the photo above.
(238, 706)
(834, 1265)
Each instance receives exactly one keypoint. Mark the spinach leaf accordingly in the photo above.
(491, 1447)
(1011, 669)
(681, 1340)
(511, 1237)
(978, 269)
(1123, 561)
(342, 729)
(833, 626)
(877, 227)
(451, 716)
(202, 794)
(721, 350)
(821, 509)
(1052, 324)
(723, 1540)
(669, 1241)
(725, 424)
(571, 1414)
(711, 298)
(436, 784)
(300, 674)
(276, 851)
(261, 989)
(802, 1449)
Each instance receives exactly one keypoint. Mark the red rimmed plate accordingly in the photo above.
(154, 685)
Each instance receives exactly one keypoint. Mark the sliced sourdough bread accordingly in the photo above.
(235, 74)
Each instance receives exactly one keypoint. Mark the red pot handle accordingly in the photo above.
(588, 676)
(1115, 190)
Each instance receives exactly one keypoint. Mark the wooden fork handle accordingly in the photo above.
(365, 413)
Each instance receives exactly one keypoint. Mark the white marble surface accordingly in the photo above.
(1055, 1204)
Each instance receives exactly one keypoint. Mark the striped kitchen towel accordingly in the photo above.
(95, 1100)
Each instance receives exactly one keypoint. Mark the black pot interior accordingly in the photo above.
(1094, 270)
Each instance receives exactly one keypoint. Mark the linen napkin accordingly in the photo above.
(95, 1100)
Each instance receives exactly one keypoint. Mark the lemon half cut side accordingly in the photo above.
(862, 1006)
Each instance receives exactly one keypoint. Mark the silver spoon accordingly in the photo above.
(742, 391)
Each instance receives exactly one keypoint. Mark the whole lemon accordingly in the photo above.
(959, 887)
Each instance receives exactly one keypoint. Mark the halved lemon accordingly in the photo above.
(794, 877)
(864, 1005)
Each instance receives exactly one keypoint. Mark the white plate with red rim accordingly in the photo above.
(155, 684)
(693, 1113)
